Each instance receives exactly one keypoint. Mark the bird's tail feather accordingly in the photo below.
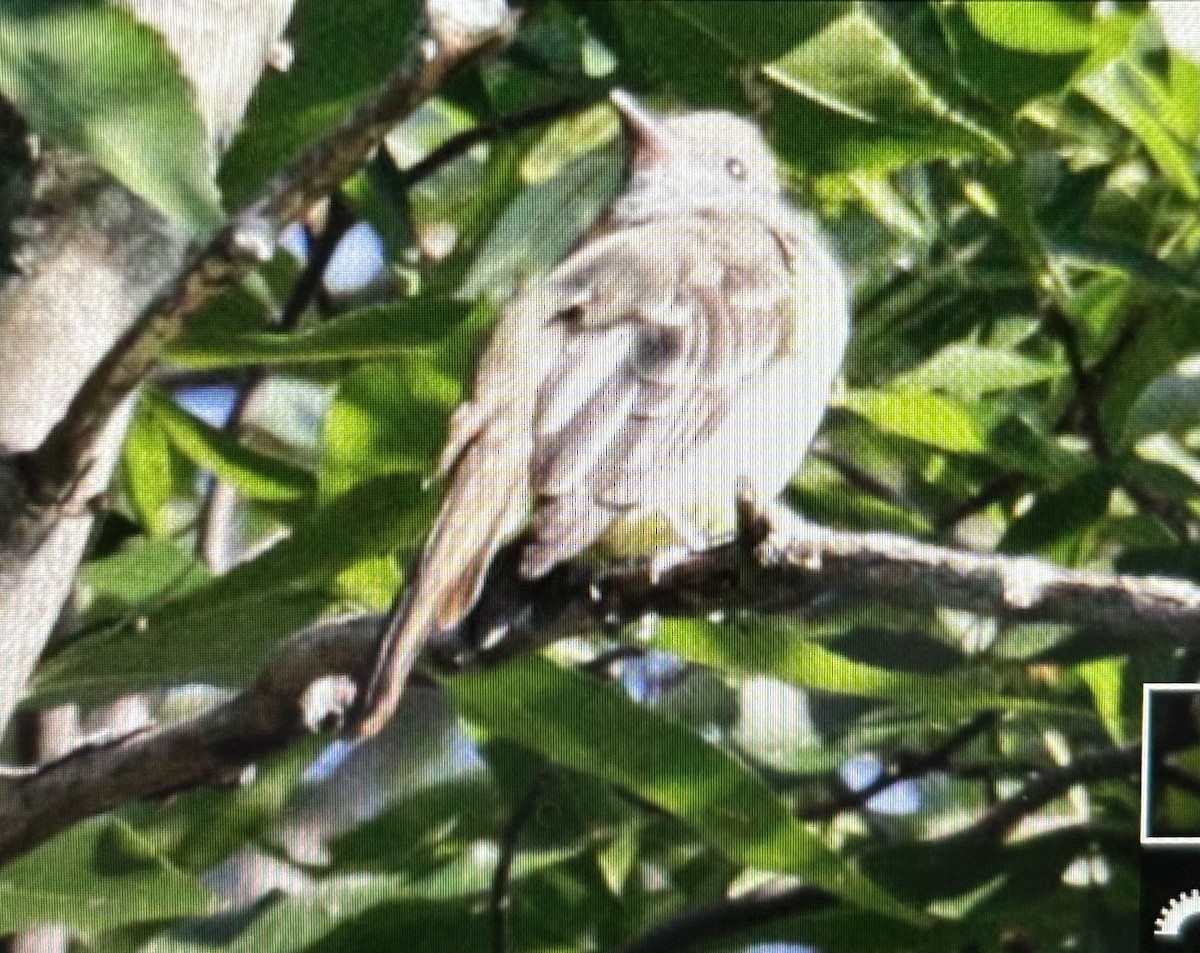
(485, 502)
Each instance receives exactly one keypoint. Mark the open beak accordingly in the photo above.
(652, 143)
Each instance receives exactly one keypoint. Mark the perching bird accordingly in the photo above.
(683, 353)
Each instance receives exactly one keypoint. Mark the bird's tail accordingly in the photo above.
(485, 502)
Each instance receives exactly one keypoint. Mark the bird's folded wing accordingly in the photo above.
(668, 320)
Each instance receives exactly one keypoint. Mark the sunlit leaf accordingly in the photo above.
(928, 418)
(87, 74)
(255, 474)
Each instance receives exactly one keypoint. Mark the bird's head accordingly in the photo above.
(705, 160)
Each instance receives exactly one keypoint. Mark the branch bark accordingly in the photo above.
(309, 684)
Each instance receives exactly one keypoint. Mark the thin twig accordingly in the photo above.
(1085, 411)
(727, 918)
(461, 143)
(338, 220)
(998, 489)
(999, 820)
(913, 766)
(500, 903)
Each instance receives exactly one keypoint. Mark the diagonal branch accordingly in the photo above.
(248, 238)
(699, 927)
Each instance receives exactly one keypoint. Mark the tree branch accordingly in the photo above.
(1049, 786)
(906, 768)
(249, 237)
(308, 685)
(728, 918)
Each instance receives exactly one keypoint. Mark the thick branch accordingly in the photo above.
(905, 572)
(293, 696)
(309, 683)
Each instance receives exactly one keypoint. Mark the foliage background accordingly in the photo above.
(1013, 188)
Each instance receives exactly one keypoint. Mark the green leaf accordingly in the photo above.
(385, 418)
(1009, 198)
(98, 874)
(257, 475)
(877, 108)
(970, 370)
(416, 833)
(86, 74)
(1170, 404)
(597, 730)
(1057, 523)
(927, 418)
(541, 224)
(342, 52)
(221, 632)
(141, 570)
(201, 827)
(1137, 100)
(1120, 259)
(1036, 26)
(1007, 76)
(373, 333)
(146, 470)
(1105, 679)
(286, 924)
(780, 651)
(701, 49)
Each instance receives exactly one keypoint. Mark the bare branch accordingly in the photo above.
(914, 766)
(1049, 786)
(500, 897)
(700, 926)
(460, 144)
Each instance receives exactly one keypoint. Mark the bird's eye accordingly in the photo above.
(736, 168)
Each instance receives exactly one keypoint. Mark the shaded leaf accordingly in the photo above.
(876, 107)
(1170, 404)
(341, 53)
(98, 874)
(597, 730)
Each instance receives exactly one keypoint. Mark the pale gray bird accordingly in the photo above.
(683, 353)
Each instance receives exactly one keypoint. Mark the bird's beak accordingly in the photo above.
(652, 142)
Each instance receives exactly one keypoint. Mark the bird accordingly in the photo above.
(681, 354)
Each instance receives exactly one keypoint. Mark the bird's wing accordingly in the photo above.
(668, 321)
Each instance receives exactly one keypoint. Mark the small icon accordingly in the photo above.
(1176, 914)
